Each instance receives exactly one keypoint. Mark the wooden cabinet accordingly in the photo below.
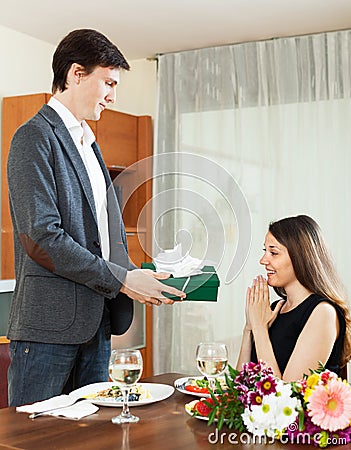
(117, 135)
(123, 139)
(15, 111)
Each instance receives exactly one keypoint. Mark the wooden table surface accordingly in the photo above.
(163, 426)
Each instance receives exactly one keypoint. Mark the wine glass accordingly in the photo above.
(125, 369)
(212, 360)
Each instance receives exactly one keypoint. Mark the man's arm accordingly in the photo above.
(37, 216)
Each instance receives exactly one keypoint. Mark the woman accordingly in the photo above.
(311, 323)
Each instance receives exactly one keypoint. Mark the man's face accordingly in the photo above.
(95, 91)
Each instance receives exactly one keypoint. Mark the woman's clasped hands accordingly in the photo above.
(258, 309)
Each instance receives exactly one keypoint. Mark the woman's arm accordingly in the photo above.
(246, 340)
(245, 349)
(315, 342)
(261, 318)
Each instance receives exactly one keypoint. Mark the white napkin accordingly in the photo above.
(77, 411)
(173, 262)
(61, 406)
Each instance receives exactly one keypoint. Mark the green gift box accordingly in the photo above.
(201, 288)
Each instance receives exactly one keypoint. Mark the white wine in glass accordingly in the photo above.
(212, 360)
(125, 369)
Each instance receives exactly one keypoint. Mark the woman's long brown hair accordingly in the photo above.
(313, 266)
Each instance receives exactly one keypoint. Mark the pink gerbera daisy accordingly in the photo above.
(330, 405)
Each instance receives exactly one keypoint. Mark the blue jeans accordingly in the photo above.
(39, 371)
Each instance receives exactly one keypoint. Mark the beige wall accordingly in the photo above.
(25, 64)
(25, 67)
(137, 91)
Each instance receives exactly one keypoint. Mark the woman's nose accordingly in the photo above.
(263, 260)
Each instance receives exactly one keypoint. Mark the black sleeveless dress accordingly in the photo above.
(287, 327)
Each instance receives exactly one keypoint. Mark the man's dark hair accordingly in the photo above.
(86, 47)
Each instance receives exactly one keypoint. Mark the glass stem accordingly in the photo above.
(125, 411)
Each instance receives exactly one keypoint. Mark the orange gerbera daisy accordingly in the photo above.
(330, 405)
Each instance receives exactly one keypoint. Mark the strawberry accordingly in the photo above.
(202, 409)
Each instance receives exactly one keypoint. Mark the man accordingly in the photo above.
(71, 261)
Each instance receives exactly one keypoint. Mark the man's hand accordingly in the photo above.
(143, 286)
(157, 275)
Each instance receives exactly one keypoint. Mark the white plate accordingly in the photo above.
(183, 380)
(201, 417)
(158, 392)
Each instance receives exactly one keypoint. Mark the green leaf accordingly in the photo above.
(221, 421)
(219, 389)
(301, 420)
(212, 396)
(321, 367)
(212, 416)
(233, 372)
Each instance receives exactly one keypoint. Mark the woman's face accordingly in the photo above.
(276, 259)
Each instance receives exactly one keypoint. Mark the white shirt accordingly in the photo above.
(84, 137)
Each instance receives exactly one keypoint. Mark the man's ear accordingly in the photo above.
(75, 73)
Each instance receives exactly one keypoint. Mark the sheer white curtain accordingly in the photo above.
(276, 115)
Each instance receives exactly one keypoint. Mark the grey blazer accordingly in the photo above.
(62, 283)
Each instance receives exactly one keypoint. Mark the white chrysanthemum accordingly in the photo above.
(248, 420)
(285, 411)
(252, 425)
(280, 385)
(264, 412)
(283, 389)
(263, 417)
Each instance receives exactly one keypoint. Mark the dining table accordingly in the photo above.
(163, 425)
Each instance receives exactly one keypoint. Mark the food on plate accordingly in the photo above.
(200, 407)
(137, 393)
(200, 385)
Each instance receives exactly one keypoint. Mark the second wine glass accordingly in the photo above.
(212, 360)
(125, 369)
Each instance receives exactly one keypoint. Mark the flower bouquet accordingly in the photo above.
(316, 409)
(325, 413)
